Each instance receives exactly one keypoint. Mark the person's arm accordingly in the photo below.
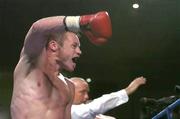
(106, 102)
(134, 85)
(101, 116)
(97, 27)
(39, 33)
(99, 105)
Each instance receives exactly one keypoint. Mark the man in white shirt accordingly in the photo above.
(81, 109)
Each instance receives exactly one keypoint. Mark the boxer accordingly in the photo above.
(50, 46)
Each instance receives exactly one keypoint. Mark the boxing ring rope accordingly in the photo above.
(168, 110)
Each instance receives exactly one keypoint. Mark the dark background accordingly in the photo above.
(145, 42)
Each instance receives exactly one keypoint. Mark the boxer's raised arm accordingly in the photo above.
(97, 28)
(40, 32)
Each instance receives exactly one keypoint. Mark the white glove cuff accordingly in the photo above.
(72, 23)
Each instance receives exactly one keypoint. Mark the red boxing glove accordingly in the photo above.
(97, 27)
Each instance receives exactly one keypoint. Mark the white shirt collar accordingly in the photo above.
(61, 77)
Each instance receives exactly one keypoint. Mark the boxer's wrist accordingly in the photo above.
(72, 23)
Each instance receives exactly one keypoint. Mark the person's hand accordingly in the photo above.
(133, 86)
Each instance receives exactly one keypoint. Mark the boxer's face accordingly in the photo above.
(69, 51)
(81, 92)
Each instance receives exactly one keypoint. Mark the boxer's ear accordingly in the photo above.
(53, 45)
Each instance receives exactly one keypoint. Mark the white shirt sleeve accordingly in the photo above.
(99, 105)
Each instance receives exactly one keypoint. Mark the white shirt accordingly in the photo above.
(61, 77)
(99, 105)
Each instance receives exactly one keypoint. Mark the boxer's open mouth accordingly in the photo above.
(75, 59)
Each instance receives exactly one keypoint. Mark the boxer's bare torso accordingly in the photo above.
(37, 91)
(35, 97)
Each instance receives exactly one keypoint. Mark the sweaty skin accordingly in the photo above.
(37, 91)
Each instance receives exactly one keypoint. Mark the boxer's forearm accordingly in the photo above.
(40, 32)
